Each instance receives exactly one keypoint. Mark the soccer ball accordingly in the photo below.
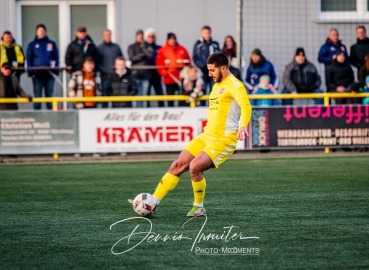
(144, 204)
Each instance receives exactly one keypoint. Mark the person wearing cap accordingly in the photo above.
(258, 67)
(42, 52)
(339, 76)
(203, 48)
(139, 56)
(81, 48)
(174, 56)
(10, 87)
(108, 52)
(11, 52)
(301, 76)
(264, 89)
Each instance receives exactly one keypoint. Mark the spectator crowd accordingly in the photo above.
(103, 70)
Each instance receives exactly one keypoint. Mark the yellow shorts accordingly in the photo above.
(218, 149)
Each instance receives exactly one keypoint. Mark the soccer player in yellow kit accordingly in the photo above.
(228, 117)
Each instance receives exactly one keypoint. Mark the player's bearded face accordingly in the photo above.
(215, 73)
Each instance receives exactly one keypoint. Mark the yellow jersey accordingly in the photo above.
(229, 108)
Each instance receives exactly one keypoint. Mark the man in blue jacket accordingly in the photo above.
(202, 49)
(329, 49)
(42, 52)
(258, 67)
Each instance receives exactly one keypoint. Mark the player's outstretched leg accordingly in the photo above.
(171, 178)
(201, 163)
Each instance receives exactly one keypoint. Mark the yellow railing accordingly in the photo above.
(56, 100)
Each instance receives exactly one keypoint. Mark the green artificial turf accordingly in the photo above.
(309, 213)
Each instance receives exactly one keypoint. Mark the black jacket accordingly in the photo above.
(152, 51)
(236, 72)
(358, 52)
(124, 85)
(301, 78)
(339, 74)
(75, 54)
(10, 88)
(139, 55)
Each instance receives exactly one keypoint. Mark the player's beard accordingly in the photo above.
(219, 78)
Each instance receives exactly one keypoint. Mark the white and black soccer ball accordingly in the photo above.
(144, 204)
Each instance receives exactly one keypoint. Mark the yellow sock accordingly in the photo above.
(199, 192)
(167, 183)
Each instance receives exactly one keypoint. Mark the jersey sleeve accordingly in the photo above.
(243, 101)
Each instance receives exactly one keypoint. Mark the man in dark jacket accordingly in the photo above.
(139, 55)
(42, 52)
(10, 88)
(301, 76)
(108, 51)
(339, 76)
(152, 74)
(202, 49)
(121, 83)
(81, 48)
(360, 49)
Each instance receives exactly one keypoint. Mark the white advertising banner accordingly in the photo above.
(140, 129)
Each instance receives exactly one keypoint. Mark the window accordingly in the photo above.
(340, 5)
(62, 18)
(354, 11)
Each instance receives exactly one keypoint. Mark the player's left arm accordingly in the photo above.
(243, 101)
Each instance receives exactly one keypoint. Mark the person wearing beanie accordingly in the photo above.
(264, 88)
(258, 67)
(339, 76)
(301, 76)
(174, 56)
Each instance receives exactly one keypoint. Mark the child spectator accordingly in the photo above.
(121, 83)
(85, 83)
(364, 71)
(192, 85)
(264, 88)
(366, 90)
